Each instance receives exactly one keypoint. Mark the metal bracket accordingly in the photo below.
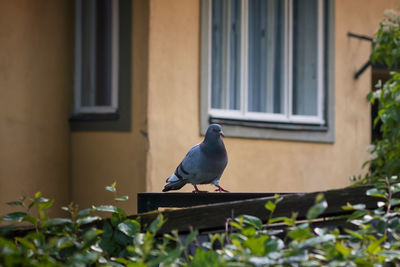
(368, 63)
(360, 36)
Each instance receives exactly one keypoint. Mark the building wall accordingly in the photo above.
(39, 153)
(99, 158)
(36, 55)
(256, 165)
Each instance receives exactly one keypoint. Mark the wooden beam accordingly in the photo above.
(214, 216)
(152, 201)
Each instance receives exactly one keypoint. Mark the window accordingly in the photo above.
(101, 89)
(265, 66)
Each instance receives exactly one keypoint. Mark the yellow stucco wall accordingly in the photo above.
(99, 158)
(35, 96)
(256, 165)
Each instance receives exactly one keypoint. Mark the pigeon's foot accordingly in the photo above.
(196, 190)
(220, 189)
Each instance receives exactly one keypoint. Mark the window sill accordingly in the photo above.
(99, 122)
(271, 125)
(94, 116)
(274, 131)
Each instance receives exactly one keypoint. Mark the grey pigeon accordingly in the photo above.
(203, 164)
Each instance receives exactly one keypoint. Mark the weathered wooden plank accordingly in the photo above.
(214, 216)
(152, 201)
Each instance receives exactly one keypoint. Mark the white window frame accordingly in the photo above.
(78, 108)
(243, 114)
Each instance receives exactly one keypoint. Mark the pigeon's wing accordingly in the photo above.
(188, 167)
(190, 164)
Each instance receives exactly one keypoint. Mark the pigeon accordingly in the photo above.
(203, 164)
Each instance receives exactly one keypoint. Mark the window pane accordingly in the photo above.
(305, 67)
(225, 54)
(96, 53)
(266, 61)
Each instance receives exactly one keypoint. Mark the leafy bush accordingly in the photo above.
(83, 239)
(385, 152)
(386, 45)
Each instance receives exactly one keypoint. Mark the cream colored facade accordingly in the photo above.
(40, 153)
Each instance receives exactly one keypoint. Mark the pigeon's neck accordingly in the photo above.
(213, 148)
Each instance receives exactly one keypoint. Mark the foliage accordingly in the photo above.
(385, 152)
(83, 239)
(386, 45)
(80, 240)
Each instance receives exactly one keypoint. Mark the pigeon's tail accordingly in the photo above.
(174, 185)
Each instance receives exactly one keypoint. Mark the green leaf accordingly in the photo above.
(15, 203)
(166, 260)
(395, 188)
(278, 198)
(252, 220)
(317, 240)
(277, 219)
(316, 210)
(374, 192)
(123, 198)
(25, 243)
(395, 201)
(357, 214)
(300, 232)
(110, 188)
(31, 219)
(156, 224)
(256, 245)
(108, 230)
(270, 206)
(129, 227)
(65, 242)
(84, 212)
(58, 221)
(319, 198)
(249, 231)
(273, 244)
(88, 219)
(115, 219)
(354, 233)
(204, 258)
(236, 225)
(45, 204)
(91, 234)
(374, 247)
(394, 222)
(65, 208)
(42, 200)
(15, 216)
(363, 262)
(121, 238)
(353, 207)
(105, 208)
(381, 227)
(342, 248)
(192, 236)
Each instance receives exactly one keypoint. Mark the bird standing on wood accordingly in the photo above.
(203, 164)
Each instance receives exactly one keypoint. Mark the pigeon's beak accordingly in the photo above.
(221, 133)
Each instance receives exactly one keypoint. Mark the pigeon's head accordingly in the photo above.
(214, 132)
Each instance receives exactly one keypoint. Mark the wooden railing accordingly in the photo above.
(209, 212)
